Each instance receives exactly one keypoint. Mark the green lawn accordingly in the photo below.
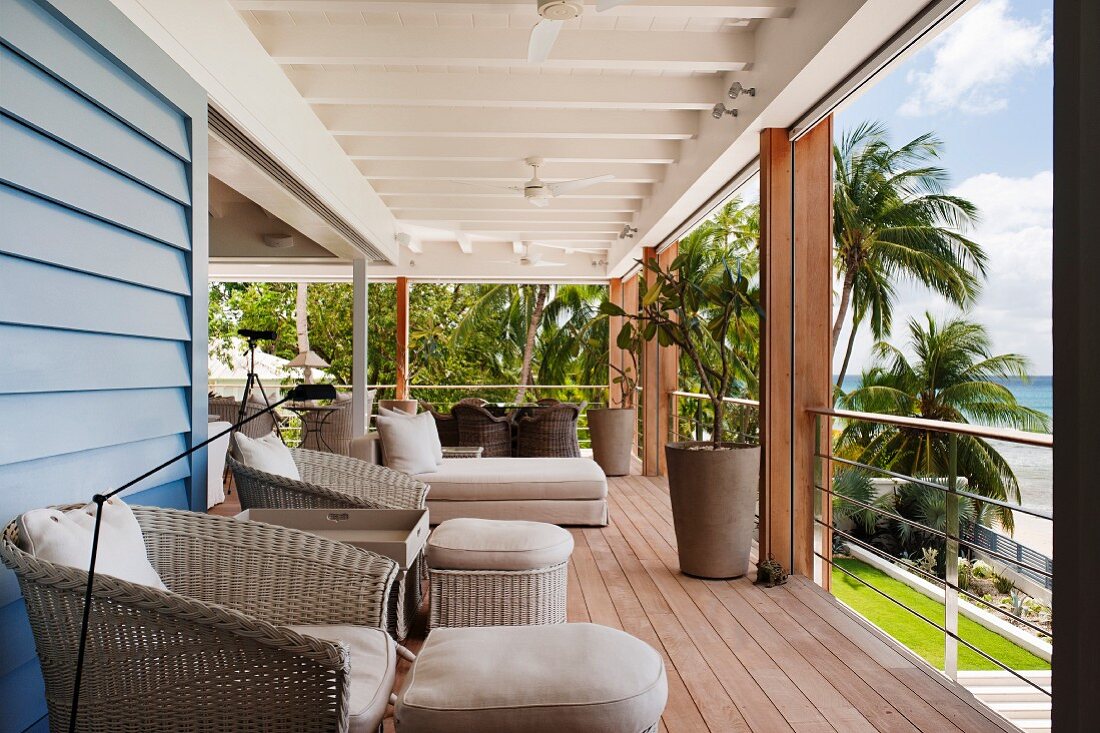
(923, 639)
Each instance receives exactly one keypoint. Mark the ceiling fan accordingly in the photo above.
(527, 258)
(554, 13)
(539, 193)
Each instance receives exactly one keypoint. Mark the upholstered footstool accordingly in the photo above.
(487, 572)
(535, 679)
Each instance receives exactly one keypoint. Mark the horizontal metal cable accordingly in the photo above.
(927, 620)
(936, 579)
(924, 527)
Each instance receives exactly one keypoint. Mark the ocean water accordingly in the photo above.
(1034, 467)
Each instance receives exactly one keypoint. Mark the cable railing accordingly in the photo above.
(956, 539)
(693, 418)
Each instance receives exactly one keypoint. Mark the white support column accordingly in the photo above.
(359, 348)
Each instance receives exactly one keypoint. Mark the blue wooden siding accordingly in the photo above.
(101, 339)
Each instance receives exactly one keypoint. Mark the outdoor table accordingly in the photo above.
(313, 419)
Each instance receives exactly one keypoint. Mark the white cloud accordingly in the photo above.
(974, 62)
(1015, 305)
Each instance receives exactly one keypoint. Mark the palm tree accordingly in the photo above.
(892, 221)
(953, 376)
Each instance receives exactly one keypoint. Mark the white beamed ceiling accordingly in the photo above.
(428, 98)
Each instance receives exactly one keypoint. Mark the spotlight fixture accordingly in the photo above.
(628, 232)
(720, 110)
(738, 89)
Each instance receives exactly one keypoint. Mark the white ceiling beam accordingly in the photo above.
(519, 216)
(412, 203)
(642, 8)
(502, 150)
(522, 230)
(506, 173)
(580, 239)
(612, 190)
(575, 49)
(338, 86)
(465, 243)
(460, 122)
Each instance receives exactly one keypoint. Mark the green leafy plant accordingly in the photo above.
(850, 486)
(966, 574)
(1002, 584)
(709, 309)
(630, 341)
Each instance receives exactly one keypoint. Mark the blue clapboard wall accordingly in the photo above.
(102, 280)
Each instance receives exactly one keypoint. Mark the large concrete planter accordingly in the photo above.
(612, 433)
(409, 406)
(714, 495)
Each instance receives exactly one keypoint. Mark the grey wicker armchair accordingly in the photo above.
(550, 431)
(479, 427)
(329, 481)
(214, 652)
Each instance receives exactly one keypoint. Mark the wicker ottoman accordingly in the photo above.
(487, 572)
(535, 679)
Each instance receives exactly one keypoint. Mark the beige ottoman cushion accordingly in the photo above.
(534, 679)
(373, 668)
(488, 544)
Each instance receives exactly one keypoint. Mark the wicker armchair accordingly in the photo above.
(328, 481)
(445, 425)
(213, 653)
(479, 427)
(550, 432)
(229, 410)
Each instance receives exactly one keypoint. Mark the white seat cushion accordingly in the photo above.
(410, 443)
(373, 667)
(489, 544)
(267, 454)
(65, 538)
(509, 479)
(535, 679)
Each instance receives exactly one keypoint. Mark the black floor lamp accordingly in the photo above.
(301, 392)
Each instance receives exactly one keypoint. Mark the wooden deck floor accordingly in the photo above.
(744, 658)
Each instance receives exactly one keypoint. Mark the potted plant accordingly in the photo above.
(705, 307)
(612, 428)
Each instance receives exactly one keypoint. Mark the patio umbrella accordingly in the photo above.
(307, 360)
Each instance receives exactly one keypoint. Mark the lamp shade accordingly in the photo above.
(307, 359)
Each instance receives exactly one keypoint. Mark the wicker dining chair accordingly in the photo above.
(550, 432)
(445, 424)
(479, 427)
(328, 481)
(213, 652)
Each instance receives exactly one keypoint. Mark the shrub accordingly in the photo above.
(1002, 584)
(966, 574)
(981, 569)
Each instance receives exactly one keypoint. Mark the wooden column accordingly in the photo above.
(668, 379)
(630, 305)
(777, 343)
(614, 353)
(360, 421)
(402, 296)
(651, 389)
(813, 282)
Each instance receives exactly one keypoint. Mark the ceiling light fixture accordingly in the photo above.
(628, 232)
(720, 110)
(738, 89)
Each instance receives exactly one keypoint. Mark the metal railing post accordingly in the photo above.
(824, 523)
(951, 563)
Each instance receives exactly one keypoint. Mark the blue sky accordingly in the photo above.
(985, 87)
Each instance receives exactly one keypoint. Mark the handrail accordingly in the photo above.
(730, 400)
(1042, 440)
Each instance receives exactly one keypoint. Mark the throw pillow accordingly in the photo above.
(407, 443)
(432, 438)
(267, 454)
(65, 538)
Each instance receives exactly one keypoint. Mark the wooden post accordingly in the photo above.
(668, 379)
(402, 357)
(651, 389)
(813, 282)
(777, 342)
(630, 305)
(360, 421)
(614, 353)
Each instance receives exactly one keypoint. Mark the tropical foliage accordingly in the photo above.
(893, 222)
(951, 375)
